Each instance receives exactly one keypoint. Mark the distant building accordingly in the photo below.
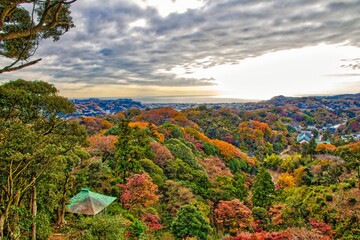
(304, 137)
(320, 140)
(356, 136)
(296, 126)
(333, 129)
(311, 128)
(351, 137)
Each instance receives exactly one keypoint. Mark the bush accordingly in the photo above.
(346, 186)
(190, 222)
(210, 149)
(351, 182)
(237, 165)
(259, 213)
(273, 162)
(136, 230)
(102, 226)
(328, 198)
(352, 201)
(183, 152)
(155, 172)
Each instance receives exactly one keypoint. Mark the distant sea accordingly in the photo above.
(190, 99)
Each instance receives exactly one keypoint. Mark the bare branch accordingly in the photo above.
(10, 69)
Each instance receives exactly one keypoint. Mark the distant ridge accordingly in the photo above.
(96, 106)
(316, 100)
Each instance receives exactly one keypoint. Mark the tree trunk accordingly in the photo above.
(4, 216)
(60, 214)
(2, 224)
(33, 213)
(13, 224)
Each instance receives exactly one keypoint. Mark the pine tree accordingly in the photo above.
(190, 222)
(132, 146)
(262, 189)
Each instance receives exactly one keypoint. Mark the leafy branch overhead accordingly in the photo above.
(24, 23)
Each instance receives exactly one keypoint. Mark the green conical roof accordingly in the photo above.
(88, 202)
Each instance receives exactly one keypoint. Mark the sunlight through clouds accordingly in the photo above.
(296, 72)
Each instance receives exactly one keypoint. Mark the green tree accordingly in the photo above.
(132, 146)
(262, 189)
(309, 148)
(273, 161)
(239, 184)
(180, 150)
(62, 187)
(179, 170)
(21, 29)
(34, 140)
(190, 222)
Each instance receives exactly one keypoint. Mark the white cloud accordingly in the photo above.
(166, 7)
(138, 23)
(304, 71)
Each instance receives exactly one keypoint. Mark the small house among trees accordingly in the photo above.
(304, 137)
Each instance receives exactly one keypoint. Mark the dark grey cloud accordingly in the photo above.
(104, 49)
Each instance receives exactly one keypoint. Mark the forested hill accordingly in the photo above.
(277, 172)
(94, 106)
(239, 174)
(336, 102)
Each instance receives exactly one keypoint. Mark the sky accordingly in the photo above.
(191, 50)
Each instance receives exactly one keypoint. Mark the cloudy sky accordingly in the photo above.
(197, 49)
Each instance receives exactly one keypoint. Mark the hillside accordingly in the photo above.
(214, 159)
(277, 172)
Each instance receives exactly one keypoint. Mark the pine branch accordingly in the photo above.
(10, 68)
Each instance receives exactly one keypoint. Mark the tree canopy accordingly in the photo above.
(22, 28)
(35, 141)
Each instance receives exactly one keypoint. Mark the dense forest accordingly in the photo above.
(199, 173)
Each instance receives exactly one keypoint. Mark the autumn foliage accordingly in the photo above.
(276, 214)
(102, 145)
(139, 191)
(255, 131)
(161, 153)
(233, 216)
(321, 227)
(105, 124)
(325, 148)
(164, 115)
(93, 125)
(197, 135)
(215, 167)
(153, 129)
(285, 180)
(288, 234)
(229, 151)
(152, 221)
(140, 125)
